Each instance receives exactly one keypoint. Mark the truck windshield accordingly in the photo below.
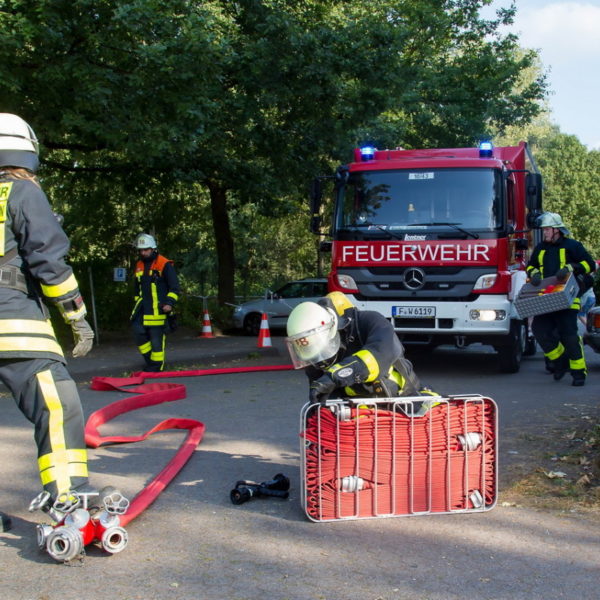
(420, 199)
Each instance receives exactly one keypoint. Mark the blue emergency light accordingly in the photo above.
(367, 153)
(486, 149)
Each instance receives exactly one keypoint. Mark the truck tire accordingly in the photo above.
(510, 354)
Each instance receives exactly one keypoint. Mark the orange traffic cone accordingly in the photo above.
(264, 335)
(206, 327)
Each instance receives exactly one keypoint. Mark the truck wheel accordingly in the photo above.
(252, 324)
(509, 356)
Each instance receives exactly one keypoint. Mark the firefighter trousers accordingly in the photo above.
(48, 397)
(558, 335)
(150, 343)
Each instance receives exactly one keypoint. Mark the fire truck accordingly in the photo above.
(437, 241)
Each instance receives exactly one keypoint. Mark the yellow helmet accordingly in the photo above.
(340, 302)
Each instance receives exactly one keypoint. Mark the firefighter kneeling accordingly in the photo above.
(349, 353)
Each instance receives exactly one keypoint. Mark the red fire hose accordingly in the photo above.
(150, 394)
(382, 462)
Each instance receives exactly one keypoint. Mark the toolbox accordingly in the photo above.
(532, 300)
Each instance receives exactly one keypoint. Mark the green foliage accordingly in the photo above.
(571, 176)
(202, 122)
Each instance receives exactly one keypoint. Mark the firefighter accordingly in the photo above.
(557, 332)
(32, 269)
(347, 352)
(156, 292)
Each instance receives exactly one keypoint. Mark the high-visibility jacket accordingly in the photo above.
(550, 257)
(32, 250)
(156, 284)
(370, 362)
(32, 267)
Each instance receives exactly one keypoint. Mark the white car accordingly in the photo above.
(277, 305)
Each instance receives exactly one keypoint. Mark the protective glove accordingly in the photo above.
(83, 336)
(563, 274)
(535, 277)
(320, 389)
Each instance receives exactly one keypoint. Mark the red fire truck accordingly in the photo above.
(437, 241)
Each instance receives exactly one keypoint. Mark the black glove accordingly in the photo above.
(535, 277)
(320, 389)
(562, 274)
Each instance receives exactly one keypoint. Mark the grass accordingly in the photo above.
(567, 480)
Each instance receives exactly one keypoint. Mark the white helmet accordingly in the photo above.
(550, 219)
(312, 334)
(144, 241)
(18, 143)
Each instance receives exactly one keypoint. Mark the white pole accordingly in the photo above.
(97, 336)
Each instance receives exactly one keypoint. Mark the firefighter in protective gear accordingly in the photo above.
(557, 333)
(349, 353)
(156, 292)
(33, 270)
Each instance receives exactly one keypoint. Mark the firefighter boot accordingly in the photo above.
(5, 523)
(561, 366)
(578, 377)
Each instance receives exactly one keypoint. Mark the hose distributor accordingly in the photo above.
(81, 519)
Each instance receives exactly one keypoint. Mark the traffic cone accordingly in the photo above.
(264, 335)
(206, 327)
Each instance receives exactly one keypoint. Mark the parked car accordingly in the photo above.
(277, 305)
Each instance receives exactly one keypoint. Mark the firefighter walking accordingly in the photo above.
(557, 333)
(156, 293)
(32, 268)
(349, 353)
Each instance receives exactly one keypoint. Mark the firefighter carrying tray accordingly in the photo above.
(548, 297)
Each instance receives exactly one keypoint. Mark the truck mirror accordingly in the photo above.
(534, 191)
(532, 220)
(522, 244)
(325, 246)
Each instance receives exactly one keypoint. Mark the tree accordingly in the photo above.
(249, 99)
(572, 186)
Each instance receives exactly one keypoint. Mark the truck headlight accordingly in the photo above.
(487, 314)
(346, 282)
(485, 282)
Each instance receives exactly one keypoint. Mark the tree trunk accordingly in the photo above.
(223, 243)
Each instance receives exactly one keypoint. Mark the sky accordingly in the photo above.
(567, 35)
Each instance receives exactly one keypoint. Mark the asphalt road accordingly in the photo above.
(193, 543)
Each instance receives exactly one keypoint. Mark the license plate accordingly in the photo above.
(414, 312)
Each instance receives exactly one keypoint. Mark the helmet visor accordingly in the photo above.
(313, 346)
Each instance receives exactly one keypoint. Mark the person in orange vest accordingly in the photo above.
(156, 293)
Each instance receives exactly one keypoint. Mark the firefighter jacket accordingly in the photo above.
(370, 362)
(156, 284)
(32, 266)
(550, 257)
